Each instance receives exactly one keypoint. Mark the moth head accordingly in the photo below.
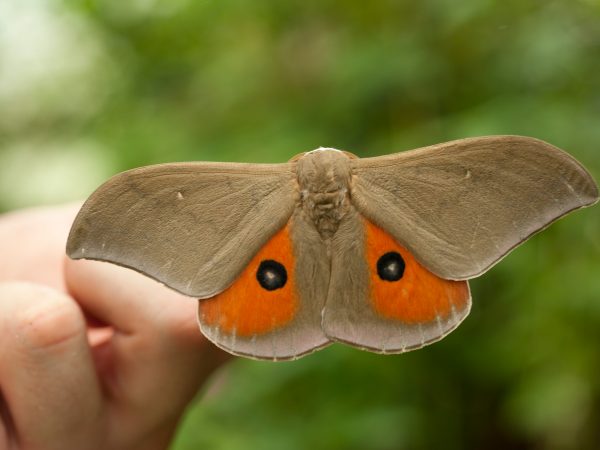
(324, 170)
(323, 149)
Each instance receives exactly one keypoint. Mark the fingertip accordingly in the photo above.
(85, 276)
(125, 299)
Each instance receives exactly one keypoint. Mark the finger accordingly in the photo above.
(158, 350)
(33, 244)
(5, 425)
(47, 376)
(131, 302)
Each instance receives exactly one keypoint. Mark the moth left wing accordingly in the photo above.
(460, 206)
(191, 226)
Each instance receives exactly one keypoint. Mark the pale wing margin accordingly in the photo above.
(460, 206)
(191, 226)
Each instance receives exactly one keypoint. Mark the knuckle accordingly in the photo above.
(46, 318)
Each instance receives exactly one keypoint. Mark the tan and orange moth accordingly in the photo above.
(374, 252)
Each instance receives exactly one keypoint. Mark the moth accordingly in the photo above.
(374, 252)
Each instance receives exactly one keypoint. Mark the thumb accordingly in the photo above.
(47, 377)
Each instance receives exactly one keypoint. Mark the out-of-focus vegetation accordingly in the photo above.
(92, 87)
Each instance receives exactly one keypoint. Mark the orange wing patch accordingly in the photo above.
(247, 308)
(402, 289)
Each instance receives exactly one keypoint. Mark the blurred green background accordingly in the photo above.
(92, 87)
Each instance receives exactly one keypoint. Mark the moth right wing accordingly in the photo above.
(191, 226)
(460, 206)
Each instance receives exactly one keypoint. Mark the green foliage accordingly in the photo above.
(91, 87)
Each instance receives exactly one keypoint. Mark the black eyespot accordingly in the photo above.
(390, 267)
(271, 275)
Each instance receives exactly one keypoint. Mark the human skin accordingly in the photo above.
(92, 356)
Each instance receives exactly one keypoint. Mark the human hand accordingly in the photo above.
(68, 383)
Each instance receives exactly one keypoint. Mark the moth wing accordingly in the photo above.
(460, 206)
(191, 226)
(391, 315)
(273, 309)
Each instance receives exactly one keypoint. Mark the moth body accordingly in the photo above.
(324, 177)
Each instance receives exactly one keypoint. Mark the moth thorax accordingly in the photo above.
(325, 209)
(324, 181)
